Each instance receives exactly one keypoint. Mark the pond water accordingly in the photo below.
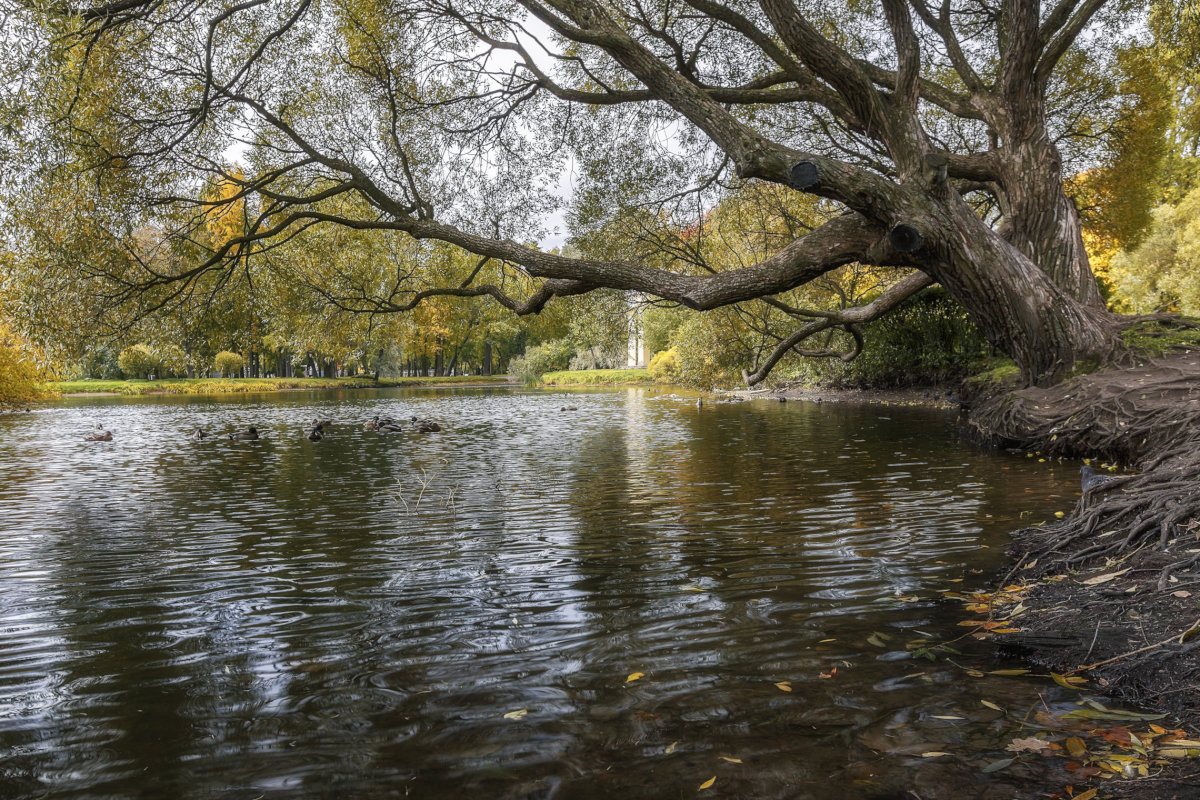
(459, 613)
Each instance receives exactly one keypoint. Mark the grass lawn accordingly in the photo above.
(238, 385)
(597, 377)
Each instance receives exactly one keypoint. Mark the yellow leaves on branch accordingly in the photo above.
(21, 373)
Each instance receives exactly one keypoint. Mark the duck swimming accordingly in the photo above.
(424, 425)
(390, 425)
(316, 433)
(250, 434)
(99, 435)
(200, 435)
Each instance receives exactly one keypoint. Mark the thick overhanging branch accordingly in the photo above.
(533, 304)
(846, 318)
(753, 155)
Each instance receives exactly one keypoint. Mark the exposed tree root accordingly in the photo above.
(1140, 530)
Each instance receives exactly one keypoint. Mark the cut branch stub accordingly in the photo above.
(935, 171)
(906, 238)
(805, 175)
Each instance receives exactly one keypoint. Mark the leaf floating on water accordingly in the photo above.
(996, 766)
(875, 640)
(991, 705)
(1105, 578)
(1076, 747)
(671, 747)
(708, 783)
(934, 754)
(829, 674)
(692, 589)
(1090, 794)
(633, 676)
(1028, 744)
(518, 714)
(731, 760)
(945, 716)
(823, 641)
(784, 686)
(1012, 672)
(1068, 681)
(974, 673)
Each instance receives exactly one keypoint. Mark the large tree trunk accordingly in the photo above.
(1046, 328)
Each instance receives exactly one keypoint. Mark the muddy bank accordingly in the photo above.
(1117, 581)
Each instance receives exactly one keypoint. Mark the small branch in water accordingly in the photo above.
(1177, 637)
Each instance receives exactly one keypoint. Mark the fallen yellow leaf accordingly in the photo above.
(671, 747)
(1105, 578)
(1088, 795)
(784, 686)
(933, 754)
(991, 705)
(731, 760)
(633, 676)
(708, 783)
(516, 714)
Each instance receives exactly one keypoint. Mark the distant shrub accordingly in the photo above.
(664, 367)
(540, 359)
(930, 339)
(172, 360)
(228, 364)
(137, 361)
(709, 350)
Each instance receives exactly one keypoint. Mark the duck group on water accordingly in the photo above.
(314, 431)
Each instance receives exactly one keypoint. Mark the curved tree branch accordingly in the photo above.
(846, 318)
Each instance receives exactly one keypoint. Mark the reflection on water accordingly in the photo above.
(443, 614)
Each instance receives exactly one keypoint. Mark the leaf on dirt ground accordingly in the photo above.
(996, 766)
(708, 783)
(784, 686)
(1028, 744)
(1088, 795)
(1105, 578)
(516, 714)
(633, 676)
